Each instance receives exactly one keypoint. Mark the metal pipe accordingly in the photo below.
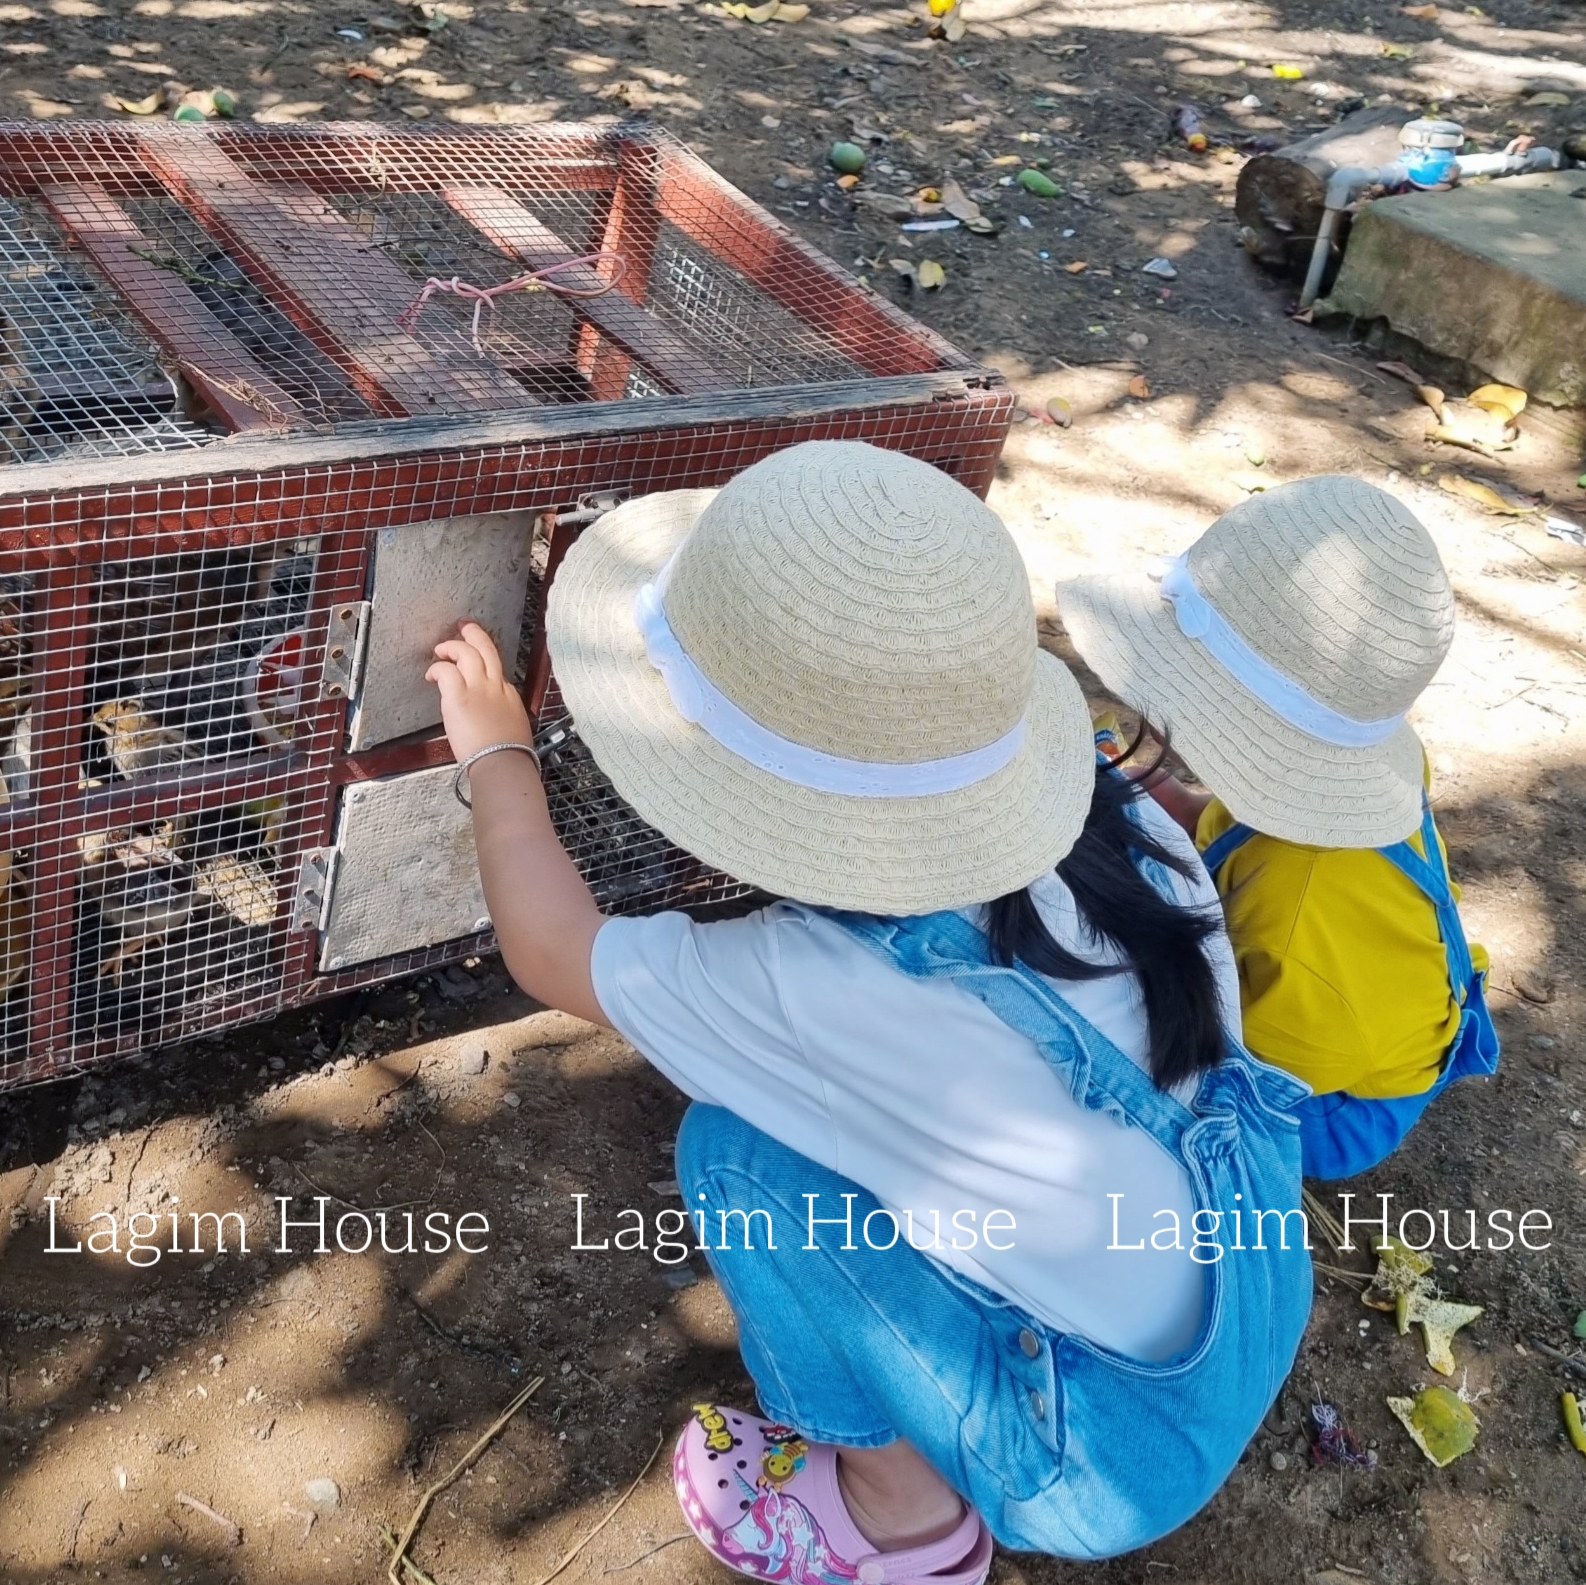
(1346, 184)
(1343, 187)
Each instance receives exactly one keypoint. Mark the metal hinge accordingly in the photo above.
(341, 674)
(311, 909)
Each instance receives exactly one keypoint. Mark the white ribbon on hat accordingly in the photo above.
(697, 699)
(1198, 619)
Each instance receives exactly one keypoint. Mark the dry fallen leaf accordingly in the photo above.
(1439, 1320)
(930, 274)
(957, 203)
(1509, 400)
(1077, 267)
(1426, 13)
(1140, 388)
(1400, 1270)
(1477, 428)
(360, 69)
(1398, 52)
(1433, 397)
(1492, 497)
(888, 205)
(143, 107)
(1439, 1421)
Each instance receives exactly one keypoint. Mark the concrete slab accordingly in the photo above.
(1493, 275)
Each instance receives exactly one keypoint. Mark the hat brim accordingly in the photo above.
(1269, 773)
(881, 855)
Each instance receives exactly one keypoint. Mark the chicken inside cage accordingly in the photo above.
(196, 657)
(174, 915)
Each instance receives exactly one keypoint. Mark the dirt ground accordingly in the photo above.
(129, 1392)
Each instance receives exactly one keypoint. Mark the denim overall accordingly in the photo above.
(1342, 1134)
(1064, 1446)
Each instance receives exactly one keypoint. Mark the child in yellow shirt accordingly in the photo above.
(1280, 654)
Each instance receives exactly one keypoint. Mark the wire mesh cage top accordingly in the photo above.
(162, 286)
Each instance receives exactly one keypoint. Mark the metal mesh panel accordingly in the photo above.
(222, 287)
(174, 733)
(758, 342)
(294, 278)
(76, 379)
(629, 866)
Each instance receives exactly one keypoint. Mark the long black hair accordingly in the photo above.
(1160, 941)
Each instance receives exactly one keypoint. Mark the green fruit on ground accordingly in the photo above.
(848, 158)
(1039, 183)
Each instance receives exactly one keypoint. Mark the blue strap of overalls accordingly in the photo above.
(1428, 872)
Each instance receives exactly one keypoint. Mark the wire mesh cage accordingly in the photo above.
(278, 404)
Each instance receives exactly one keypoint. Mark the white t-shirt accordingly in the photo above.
(916, 1091)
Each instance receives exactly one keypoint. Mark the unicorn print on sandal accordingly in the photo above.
(766, 1502)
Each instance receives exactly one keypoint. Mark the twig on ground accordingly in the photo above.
(405, 1540)
(414, 1572)
(77, 1525)
(165, 261)
(660, 1546)
(369, 1210)
(137, 1161)
(1317, 1213)
(230, 1526)
(499, 1353)
(1340, 1273)
(545, 1579)
(1568, 1361)
(1354, 368)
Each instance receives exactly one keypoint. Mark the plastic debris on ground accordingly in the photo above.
(1332, 1442)
(1439, 1421)
(1439, 1320)
(1161, 268)
(1187, 126)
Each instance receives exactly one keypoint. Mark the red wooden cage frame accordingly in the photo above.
(447, 439)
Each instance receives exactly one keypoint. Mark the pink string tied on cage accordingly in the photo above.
(531, 280)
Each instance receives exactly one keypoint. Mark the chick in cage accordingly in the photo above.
(198, 661)
(16, 689)
(174, 911)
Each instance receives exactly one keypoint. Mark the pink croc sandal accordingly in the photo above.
(767, 1503)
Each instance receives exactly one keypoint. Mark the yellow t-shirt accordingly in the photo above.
(1342, 976)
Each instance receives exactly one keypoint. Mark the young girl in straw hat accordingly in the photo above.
(1281, 652)
(974, 1147)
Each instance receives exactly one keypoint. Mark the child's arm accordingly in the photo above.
(544, 915)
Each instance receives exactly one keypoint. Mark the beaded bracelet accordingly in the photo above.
(479, 754)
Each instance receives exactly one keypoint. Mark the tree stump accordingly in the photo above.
(1280, 196)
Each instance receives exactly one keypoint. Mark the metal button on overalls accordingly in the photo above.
(1029, 1342)
(1038, 1406)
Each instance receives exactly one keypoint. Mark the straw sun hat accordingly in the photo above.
(824, 679)
(1281, 652)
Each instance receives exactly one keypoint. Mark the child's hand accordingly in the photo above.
(479, 704)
